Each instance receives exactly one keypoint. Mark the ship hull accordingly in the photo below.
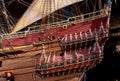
(83, 60)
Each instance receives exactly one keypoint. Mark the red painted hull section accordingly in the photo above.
(57, 32)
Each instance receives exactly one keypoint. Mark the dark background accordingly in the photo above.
(17, 9)
(109, 68)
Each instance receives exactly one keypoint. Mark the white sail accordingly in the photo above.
(39, 9)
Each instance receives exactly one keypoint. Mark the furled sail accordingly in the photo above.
(39, 9)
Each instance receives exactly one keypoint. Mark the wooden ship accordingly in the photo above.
(76, 29)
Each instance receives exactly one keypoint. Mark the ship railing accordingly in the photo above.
(33, 31)
(76, 19)
(21, 34)
(86, 17)
(70, 20)
(10, 36)
(44, 67)
(70, 62)
(7, 36)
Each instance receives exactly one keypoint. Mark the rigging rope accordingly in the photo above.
(72, 11)
(100, 4)
(24, 2)
(43, 18)
(9, 2)
(54, 9)
(8, 42)
(7, 17)
(49, 18)
(87, 6)
(79, 11)
(4, 31)
(56, 21)
(94, 6)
